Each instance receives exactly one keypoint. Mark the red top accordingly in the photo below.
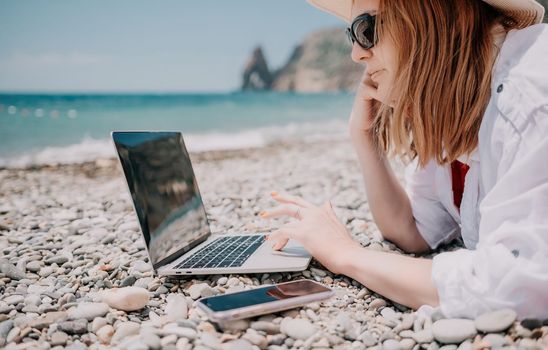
(458, 172)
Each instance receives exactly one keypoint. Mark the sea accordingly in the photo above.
(40, 129)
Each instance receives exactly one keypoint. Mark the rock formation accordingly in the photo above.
(256, 73)
(321, 63)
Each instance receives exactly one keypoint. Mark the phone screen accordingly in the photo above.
(263, 295)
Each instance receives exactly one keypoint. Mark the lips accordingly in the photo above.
(374, 72)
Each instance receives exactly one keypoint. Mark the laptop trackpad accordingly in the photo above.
(292, 255)
(296, 251)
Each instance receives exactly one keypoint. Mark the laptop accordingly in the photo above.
(173, 219)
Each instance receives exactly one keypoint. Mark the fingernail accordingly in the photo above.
(266, 237)
(273, 193)
(263, 214)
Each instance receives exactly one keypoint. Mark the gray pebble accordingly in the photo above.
(424, 336)
(318, 272)
(453, 330)
(368, 339)
(465, 345)
(238, 344)
(377, 304)
(389, 313)
(531, 323)
(391, 344)
(57, 259)
(14, 299)
(495, 340)
(34, 266)
(265, 326)
(407, 344)
(180, 332)
(125, 329)
(88, 311)
(10, 270)
(209, 340)
(74, 327)
(449, 347)
(45, 271)
(59, 338)
(233, 281)
(199, 290)
(47, 319)
(297, 328)
(495, 321)
(128, 281)
(5, 328)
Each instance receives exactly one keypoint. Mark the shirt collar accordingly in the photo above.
(468, 159)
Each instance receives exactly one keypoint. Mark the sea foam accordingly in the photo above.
(90, 149)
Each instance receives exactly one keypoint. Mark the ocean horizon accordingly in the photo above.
(40, 129)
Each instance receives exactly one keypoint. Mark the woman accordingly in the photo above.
(460, 88)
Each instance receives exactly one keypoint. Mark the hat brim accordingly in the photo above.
(338, 8)
(524, 12)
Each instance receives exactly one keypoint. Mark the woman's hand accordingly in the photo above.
(366, 104)
(316, 228)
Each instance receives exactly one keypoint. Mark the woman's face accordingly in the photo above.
(380, 60)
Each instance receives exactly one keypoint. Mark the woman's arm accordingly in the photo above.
(388, 201)
(403, 279)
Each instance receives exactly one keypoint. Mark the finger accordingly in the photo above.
(370, 92)
(280, 244)
(289, 199)
(282, 210)
(280, 233)
(369, 89)
(279, 237)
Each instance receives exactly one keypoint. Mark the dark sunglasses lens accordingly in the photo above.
(364, 31)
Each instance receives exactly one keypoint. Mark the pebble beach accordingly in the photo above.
(74, 272)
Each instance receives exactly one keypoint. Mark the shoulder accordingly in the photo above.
(516, 119)
(526, 46)
(519, 84)
(521, 70)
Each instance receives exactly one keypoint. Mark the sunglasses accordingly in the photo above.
(362, 31)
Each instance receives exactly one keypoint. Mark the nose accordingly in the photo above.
(359, 53)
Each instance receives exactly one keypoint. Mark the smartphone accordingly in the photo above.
(263, 300)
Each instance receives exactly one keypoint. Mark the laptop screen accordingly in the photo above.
(164, 191)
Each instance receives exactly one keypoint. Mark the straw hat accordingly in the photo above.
(524, 12)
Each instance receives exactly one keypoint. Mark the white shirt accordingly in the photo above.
(503, 216)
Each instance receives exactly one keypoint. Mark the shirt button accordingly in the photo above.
(499, 88)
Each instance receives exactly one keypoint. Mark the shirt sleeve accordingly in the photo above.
(434, 222)
(509, 268)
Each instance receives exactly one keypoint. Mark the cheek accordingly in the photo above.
(388, 55)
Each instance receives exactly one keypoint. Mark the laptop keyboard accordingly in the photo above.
(230, 251)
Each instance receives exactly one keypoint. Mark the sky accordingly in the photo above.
(157, 46)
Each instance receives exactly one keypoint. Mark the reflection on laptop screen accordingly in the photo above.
(164, 190)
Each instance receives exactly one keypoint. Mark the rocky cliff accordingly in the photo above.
(320, 63)
(257, 76)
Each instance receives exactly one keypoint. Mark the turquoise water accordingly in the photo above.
(72, 128)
